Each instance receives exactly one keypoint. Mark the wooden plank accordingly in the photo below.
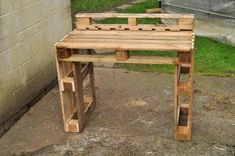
(73, 125)
(186, 22)
(84, 21)
(77, 72)
(191, 78)
(132, 21)
(60, 76)
(67, 80)
(179, 38)
(183, 133)
(92, 84)
(122, 55)
(133, 26)
(87, 103)
(117, 40)
(184, 105)
(135, 33)
(133, 15)
(176, 100)
(153, 10)
(125, 46)
(131, 60)
(184, 88)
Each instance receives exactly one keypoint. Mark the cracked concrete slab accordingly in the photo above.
(134, 116)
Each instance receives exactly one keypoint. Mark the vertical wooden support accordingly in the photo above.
(92, 82)
(66, 95)
(84, 21)
(132, 21)
(183, 129)
(186, 23)
(191, 79)
(122, 55)
(79, 99)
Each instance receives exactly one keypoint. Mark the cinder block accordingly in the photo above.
(9, 25)
(27, 62)
(7, 107)
(33, 67)
(49, 73)
(4, 60)
(11, 82)
(8, 42)
(5, 7)
(29, 15)
(18, 54)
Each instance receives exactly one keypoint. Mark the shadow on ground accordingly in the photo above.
(134, 116)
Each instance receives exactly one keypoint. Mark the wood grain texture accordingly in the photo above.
(131, 60)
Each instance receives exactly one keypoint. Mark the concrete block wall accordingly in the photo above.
(28, 31)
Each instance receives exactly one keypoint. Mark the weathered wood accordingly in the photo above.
(132, 21)
(77, 72)
(184, 132)
(92, 83)
(127, 46)
(122, 55)
(133, 33)
(84, 21)
(131, 60)
(63, 53)
(131, 15)
(153, 10)
(178, 37)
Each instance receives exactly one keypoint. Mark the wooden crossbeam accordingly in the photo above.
(136, 15)
(131, 60)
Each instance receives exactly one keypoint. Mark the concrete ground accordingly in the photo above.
(134, 116)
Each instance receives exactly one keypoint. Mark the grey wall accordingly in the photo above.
(214, 18)
(28, 31)
(223, 10)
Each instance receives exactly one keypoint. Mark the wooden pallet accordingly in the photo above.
(75, 67)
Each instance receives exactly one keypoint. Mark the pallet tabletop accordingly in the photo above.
(128, 40)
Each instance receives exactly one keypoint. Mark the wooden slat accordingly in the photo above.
(92, 82)
(135, 33)
(183, 105)
(131, 15)
(84, 21)
(131, 60)
(179, 38)
(125, 46)
(132, 26)
(67, 80)
(117, 40)
(132, 21)
(77, 72)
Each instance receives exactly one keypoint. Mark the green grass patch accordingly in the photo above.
(211, 57)
(138, 8)
(94, 5)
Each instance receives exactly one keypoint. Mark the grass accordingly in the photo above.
(94, 5)
(211, 57)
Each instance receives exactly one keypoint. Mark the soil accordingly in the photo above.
(133, 116)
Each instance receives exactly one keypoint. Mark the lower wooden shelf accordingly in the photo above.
(112, 59)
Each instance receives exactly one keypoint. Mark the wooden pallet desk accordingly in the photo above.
(73, 66)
